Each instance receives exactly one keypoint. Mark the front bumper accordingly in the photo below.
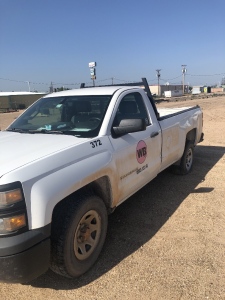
(26, 256)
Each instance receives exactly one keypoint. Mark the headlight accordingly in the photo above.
(13, 212)
(10, 197)
(9, 224)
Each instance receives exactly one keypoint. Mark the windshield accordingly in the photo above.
(80, 116)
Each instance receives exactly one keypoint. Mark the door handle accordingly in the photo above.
(153, 134)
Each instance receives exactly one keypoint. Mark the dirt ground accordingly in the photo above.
(165, 242)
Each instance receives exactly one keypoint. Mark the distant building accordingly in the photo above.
(175, 93)
(218, 90)
(17, 100)
(168, 87)
(197, 90)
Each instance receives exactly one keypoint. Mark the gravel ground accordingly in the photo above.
(166, 242)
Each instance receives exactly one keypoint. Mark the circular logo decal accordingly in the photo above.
(141, 152)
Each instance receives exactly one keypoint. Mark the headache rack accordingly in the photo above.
(141, 83)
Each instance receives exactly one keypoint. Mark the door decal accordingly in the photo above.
(141, 152)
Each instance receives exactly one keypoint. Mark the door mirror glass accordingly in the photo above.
(128, 126)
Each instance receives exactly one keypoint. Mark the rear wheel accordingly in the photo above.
(187, 158)
(78, 235)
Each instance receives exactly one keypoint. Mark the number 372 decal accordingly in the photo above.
(96, 143)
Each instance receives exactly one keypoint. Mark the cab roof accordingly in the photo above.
(108, 90)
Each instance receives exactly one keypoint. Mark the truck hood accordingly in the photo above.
(19, 149)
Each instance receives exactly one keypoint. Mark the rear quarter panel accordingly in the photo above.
(175, 124)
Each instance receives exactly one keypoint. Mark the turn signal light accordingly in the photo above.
(10, 224)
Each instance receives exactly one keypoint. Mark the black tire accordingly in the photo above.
(78, 234)
(187, 158)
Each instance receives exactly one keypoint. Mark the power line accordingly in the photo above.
(13, 80)
(24, 81)
(206, 75)
(174, 78)
(123, 80)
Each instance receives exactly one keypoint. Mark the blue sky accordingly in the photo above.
(44, 41)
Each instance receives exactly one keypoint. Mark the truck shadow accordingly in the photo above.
(139, 218)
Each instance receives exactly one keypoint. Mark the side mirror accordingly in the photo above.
(128, 126)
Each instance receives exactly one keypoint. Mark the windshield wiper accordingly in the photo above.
(45, 131)
(17, 130)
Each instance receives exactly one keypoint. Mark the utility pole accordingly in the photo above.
(158, 75)
(28, 82)
(51, 90)
(184, 70)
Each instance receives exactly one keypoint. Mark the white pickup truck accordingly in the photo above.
(69, 160)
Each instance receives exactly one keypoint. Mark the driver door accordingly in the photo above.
(137, 155)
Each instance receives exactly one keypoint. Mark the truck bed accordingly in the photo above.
(169, 112)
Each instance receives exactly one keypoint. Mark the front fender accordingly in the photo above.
(49, 190)
(48, 180)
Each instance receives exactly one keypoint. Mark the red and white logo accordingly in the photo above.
(141, 152)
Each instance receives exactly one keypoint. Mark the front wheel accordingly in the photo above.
(78, 235)
(187, 159)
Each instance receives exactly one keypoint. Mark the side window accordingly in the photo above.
(131, 107)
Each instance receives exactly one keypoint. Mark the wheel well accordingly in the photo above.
(191, 135)
(100, 187)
